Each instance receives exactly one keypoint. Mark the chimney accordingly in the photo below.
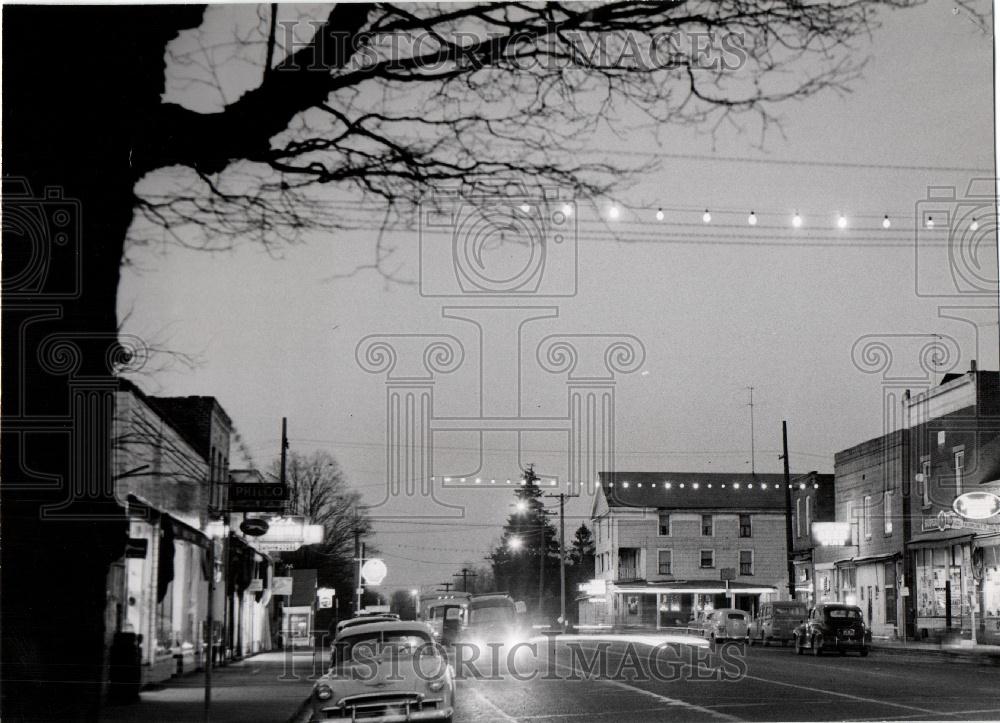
(972, 367)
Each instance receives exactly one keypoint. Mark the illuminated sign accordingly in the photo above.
(977, 505)
(374, 571)
(831, 534)
(594, 588)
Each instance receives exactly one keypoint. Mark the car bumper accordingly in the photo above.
(420, 715)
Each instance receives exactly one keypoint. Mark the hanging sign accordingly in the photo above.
(980, 505)
(374, 571)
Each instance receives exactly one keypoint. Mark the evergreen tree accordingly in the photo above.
(528, 538)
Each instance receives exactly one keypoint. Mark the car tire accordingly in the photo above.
(798, 647)
(864, 652)
(817, 647)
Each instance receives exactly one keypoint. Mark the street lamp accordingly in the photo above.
(514, 543)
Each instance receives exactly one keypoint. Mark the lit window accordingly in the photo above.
(925, 486)
(868, 517)
(959, 471)
(887, 511)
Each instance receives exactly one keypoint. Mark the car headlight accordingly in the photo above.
(323, 691)
(436, 685)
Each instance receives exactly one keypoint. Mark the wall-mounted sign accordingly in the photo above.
(256, 585)
(324, 597)
(948, 520)
(257, 496)
(831, 534)
(979, 505)
(727, 573)
(255, 527)
(374, 571)
(595, 588)
(281, 586)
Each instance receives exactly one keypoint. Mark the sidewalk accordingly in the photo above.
(979, 654)
(268, 687)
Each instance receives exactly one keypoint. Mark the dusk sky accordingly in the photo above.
(717, 307)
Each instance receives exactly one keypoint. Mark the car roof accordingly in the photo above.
(385, 625)
(363, 620)
(730, 610)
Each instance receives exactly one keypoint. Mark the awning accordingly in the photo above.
(941, 537)
(702, 587)
(870, 558)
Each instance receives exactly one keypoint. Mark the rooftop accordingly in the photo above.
(699, 490)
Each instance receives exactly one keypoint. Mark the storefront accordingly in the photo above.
(674, 604)
(942, 586)
(986, 575)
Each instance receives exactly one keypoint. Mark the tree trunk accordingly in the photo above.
(75, 80)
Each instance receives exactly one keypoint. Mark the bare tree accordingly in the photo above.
(389, 101)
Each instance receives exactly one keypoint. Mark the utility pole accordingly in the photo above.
(465, 574)
(357, 571)
(529, 479)
(447, 586)
(284, 449)
(209, 633)
(753, 466)
(562, 555)
(788, 512)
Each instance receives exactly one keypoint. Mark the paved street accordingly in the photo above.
(778, 685)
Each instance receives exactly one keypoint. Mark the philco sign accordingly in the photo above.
(979, 505)
(257, 496)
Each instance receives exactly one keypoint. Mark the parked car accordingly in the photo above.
(727, 624)
(833, 626)
(494, 618)
(385, 671)
(777, 621)
(696, 625)
(362, 620)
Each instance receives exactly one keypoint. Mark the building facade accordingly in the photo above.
(812, 501)
(953, 561)
(668, 545)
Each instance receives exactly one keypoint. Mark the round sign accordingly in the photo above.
(374, 571)
(977, 505)
(254, 526)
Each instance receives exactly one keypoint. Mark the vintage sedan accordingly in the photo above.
(833, 626)
(385, 671)
(727, 624)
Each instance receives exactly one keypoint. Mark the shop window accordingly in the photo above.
(708, 558)
(959, 470)
(664, 524)
(746, 526)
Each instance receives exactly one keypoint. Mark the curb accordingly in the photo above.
(949, 655)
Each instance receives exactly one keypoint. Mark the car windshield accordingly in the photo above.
(497, 614)
(381, 643)
(843, 613)
(736, 616)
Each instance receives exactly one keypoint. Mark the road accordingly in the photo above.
(774, 684)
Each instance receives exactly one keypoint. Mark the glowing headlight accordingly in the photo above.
(436, 685)
(324, 691)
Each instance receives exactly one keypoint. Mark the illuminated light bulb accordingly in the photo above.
(886, 223)
(752, 219)
(710, 485)
(695, 485)
(797, 221)
(974, 226)
(625, 485)
(463, 479)
(525, 207)
(706, 217)
(659, 214)
(614, 212)
(930, 222)
(567, 210)
(736, 485)
(478, 481)
(802, 485)
(750, 486)
(682, 485)
(514, 543)
(842, 221)
(522, 505)
(668, 485)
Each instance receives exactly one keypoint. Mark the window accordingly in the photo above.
(798, 517)
(664, 524)
(808, 526)
(663, 562)
(887, 511)
(746, 527)
(925, 486)
(852, 521)
(708, 558)
(707, 526)
(959, 470)
(868, 517)
(746, 562)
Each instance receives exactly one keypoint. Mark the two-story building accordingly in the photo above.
(869, 480)
(668, 544)
(954, 552)
(812, 501)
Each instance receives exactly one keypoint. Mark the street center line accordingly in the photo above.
(656, 696)
(845, 695)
